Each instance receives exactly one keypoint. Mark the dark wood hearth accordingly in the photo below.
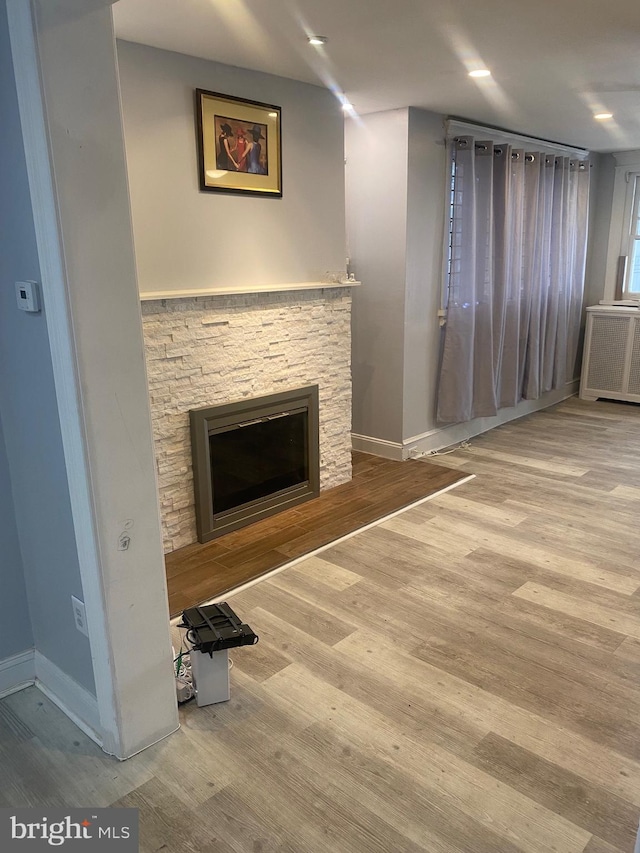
(379, 487)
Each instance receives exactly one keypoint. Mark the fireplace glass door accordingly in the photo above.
(254, 458)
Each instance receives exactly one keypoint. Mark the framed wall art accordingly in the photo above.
(239, 145)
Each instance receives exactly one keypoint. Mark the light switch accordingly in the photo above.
(27, 296)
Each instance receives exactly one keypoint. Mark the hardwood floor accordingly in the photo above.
(379, 487)
(464, 678)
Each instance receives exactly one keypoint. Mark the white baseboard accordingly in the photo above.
(74, 700)
(17, 672)
(377, 446)
(445, 436)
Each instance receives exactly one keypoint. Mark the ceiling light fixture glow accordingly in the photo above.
(480, 72)
(317, 40)
(603, 116)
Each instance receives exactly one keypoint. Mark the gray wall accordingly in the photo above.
(15, 623)
(425, 229)
(187, 239)
(376, 149)
(30, 414)
(395, 217)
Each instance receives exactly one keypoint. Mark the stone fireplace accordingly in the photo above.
(211, 350)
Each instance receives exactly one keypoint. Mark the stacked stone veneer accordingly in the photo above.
(216, 349)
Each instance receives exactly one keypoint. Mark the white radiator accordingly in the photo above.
(611, 361)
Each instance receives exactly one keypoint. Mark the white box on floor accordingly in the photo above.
(210, 676)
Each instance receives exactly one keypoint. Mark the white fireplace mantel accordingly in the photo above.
(150, 295)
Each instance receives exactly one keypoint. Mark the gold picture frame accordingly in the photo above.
(239, 145)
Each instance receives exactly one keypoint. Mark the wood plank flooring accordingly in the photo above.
(464, 678)
(379, 487)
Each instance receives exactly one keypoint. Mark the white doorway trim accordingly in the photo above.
(88, 436)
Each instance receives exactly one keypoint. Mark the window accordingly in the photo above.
(622, 273)
(454, 246)
(631, 236)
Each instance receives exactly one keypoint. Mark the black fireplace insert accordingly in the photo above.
(254, 458)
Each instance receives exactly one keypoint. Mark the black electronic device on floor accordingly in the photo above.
(215, 627)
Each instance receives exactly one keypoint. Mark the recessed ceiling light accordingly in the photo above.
(347, 107)
(317, 39)
(603, 116)
(480, 72)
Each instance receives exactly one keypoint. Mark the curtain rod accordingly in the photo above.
(484, 128)
(529, 156)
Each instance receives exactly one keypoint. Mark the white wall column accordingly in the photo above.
(66, 77)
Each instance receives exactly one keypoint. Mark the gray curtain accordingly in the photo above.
(517, 253)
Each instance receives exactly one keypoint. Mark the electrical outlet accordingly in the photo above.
(79, 615)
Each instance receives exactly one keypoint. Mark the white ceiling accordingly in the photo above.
(554, 63)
